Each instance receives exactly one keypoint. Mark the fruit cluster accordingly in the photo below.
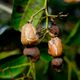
(55, 48)
(29, 38)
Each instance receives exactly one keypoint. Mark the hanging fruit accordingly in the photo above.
(55, 47)
(28, 35)
(56, 64)
(33, 53)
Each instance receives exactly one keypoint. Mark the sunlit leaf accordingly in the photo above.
(43, 63)
(9, 53)
(23, 10)
(9, 73)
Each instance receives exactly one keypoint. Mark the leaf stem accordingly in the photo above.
(46, 14)
(43, 36)
(33, 71)
(69, 67)
(18, 66)
(69, 72)
(21, 78)
(66, 59)
(31, 19)
(29, 71)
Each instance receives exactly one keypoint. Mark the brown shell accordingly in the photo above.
(28, 34)
(32, 52)
(57, 61)
(55, 47)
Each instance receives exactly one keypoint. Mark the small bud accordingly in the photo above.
(28, 35)
(55, 47)
(32, 52)
(53, 30)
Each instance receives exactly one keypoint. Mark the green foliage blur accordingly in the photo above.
(11, 49)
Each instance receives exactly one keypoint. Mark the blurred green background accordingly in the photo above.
(14, 14)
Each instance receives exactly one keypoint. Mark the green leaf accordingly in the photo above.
(41, 69)
(76, 39)
(23, 10)
(43, 64)
(9, 53)
(73, 32)
(44, 52)
(12, 72)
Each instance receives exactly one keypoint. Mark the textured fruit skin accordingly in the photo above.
(28, 35)
(57, 61)
(55, 47)
(32, 52)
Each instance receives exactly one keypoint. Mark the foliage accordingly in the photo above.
(14, 65)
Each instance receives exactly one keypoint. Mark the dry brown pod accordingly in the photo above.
(56, 64)
(55, 47)
(32, 52)
(28, 35)
(54, 30)
(57, 61)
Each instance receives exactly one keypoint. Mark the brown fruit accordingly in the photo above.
(55, 47)
(53, 30)
(56, 64)
(57, 61)
(32, 52)
(28, 35)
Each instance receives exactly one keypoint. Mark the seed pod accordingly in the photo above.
(57, 61)
(56, 64)
(28, 35)
(55, 47)
(32, 52)
(54, 30)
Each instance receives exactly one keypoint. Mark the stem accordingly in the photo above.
(28, 74)
(45, 4)
(46, 14)
(43, 36)
(18, 66)
(66, 59)
(55, 16)
(36, 14)
(33, 72)
(29, 71)
(20, 78)
(69, 72)
(69, 67)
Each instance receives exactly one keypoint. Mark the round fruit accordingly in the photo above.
(28, 35)
(56, 64)
(32, 52)
(57, 61)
